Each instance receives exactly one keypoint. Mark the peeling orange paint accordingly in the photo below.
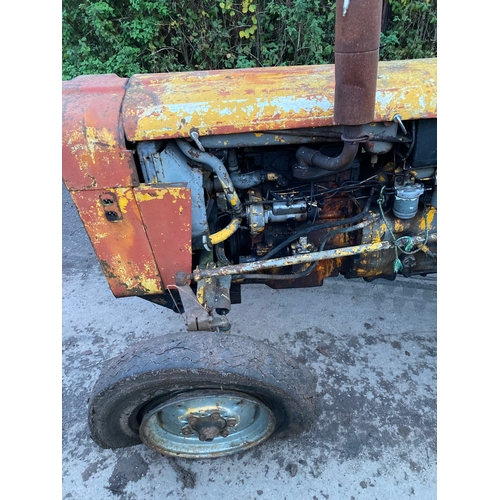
(399, 227)
(122, 246)
(430, 216)
(169, 105)
(94, 152)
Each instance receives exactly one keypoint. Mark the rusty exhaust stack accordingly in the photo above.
(357, 40)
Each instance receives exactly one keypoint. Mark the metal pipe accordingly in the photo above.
(218, 168)
(312, 157)
(357, 40)
(260, 139)
(317, 159)
(199, 274)
(310, 269)
(353, 135)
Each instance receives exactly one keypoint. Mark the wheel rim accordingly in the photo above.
(203, 424)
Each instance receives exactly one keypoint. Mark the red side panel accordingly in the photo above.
(166, 212)
(114, 225)
(100, 173)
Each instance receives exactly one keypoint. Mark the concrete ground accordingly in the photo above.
(372, 346)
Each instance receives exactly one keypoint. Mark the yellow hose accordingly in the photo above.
(225, 233)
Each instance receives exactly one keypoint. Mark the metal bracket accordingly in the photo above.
(198, 317)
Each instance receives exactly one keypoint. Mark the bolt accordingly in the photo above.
(231, 422)
(181, 278)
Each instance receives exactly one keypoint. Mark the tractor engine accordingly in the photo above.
(192, 184)
(288, 207)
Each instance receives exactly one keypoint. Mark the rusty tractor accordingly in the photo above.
(193, 184)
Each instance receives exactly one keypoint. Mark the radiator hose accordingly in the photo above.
(217, 167)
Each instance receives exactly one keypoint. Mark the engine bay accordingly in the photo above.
(268, 198)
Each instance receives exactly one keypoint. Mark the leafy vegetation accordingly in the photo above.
(152, 36)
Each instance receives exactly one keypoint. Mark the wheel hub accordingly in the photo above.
(207, 428)
(208, 423)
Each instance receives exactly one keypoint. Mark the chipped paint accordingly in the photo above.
(399, 227)
(132, 276)
(94, 153)
(124, 200)
(159, 106)
(122, 247)
(430, 217)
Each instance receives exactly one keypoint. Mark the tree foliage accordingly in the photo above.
(153, 36)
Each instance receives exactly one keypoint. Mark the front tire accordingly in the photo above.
(199, 395)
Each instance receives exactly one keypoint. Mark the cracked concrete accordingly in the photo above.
(372, 346)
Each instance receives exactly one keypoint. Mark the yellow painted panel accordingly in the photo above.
(170, 105)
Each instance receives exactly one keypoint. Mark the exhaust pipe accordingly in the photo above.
(357, 40)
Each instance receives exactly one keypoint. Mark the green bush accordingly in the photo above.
(153, 36)
(411, 30)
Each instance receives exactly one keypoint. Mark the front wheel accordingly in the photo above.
(200, 395)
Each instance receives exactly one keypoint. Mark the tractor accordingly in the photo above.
(191, 185)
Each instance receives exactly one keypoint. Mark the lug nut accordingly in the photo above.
(215, 415)
(192, 421)
(186, 430)
(231, 422)
(224, 433)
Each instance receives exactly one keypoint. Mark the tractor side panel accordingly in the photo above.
(137, 248)
(116, 231)
(166, 213)
(94, 153)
